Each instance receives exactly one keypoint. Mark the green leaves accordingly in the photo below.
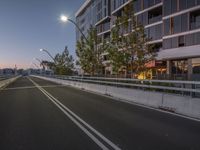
(88, 53)
(64, 63)
(129, 49)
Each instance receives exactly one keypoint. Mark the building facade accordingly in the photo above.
(172, 25)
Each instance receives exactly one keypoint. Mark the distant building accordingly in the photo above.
(8, 71)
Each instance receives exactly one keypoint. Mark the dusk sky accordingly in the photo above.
(28, 25)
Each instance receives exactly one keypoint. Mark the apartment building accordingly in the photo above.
(172, 25)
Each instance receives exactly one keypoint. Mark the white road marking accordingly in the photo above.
(75, 118)
(31, 87)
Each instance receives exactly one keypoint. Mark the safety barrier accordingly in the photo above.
(181, 97)
(7, 80)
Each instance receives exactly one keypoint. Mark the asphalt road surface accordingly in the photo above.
(40, 115)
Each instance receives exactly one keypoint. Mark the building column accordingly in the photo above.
(190, 71)
(169, 68)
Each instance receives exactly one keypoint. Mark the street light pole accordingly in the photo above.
(44, 50)
(65, 19)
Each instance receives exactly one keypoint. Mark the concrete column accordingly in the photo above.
(190, 71)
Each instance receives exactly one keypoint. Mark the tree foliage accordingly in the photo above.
(89, 54)
(128, 46)
(64, 63)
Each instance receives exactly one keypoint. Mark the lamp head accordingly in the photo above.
(64, 18)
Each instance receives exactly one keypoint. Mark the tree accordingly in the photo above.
(64, 63)
(89, 54)
(128, 36)
(47, 64)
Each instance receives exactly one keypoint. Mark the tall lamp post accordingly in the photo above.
(64, 18)
(46, 51)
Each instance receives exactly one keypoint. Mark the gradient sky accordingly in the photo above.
(28, 25)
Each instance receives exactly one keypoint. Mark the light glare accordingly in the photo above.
(63, 18)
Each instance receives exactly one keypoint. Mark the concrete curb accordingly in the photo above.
(5, 83)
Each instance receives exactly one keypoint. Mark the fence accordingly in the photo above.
(190, 88)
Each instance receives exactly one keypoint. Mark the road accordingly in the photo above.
(40, 115)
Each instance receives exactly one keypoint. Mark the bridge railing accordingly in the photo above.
(191, 88)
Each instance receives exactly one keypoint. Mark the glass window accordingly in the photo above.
(195, 19)
(196, 65)
(157, 1)
(197, 38)
(173, 6)
(145, 18)
(189, 39)
(155, 15)
(179, 67)
(182, 4)
(174, 42)
(167, 43)
(166, 7)
(184, 22)
(190, 3)
(155, 32)
(177, 24)
(150, 3)
(167, 27)
(145, 4)
(139, 19)
(137, 5)
(181, 41)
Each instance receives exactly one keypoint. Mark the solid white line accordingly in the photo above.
(73, 116)
(31, 87)
(134, 103)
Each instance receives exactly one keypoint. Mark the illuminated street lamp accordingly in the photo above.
(64, 18)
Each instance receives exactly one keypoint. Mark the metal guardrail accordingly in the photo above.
(191, 88)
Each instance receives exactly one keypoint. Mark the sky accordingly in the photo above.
(28, 25)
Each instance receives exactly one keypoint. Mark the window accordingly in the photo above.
(173, 6)
(171, 25)
(190, 3)
(197, 38)
(189, 39)
(167, 27)
(155, 32)
(167, 43)
(195, 19)
(177, 24)
(155, 15)
(137, 5)
(166, 7)
(181, 41)
(184, 22)
(182, 4)
(145, 4)
(179, 67)
(156, 47)
(196, 65)
(174, 42)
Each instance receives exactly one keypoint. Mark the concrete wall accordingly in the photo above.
(184, 105)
